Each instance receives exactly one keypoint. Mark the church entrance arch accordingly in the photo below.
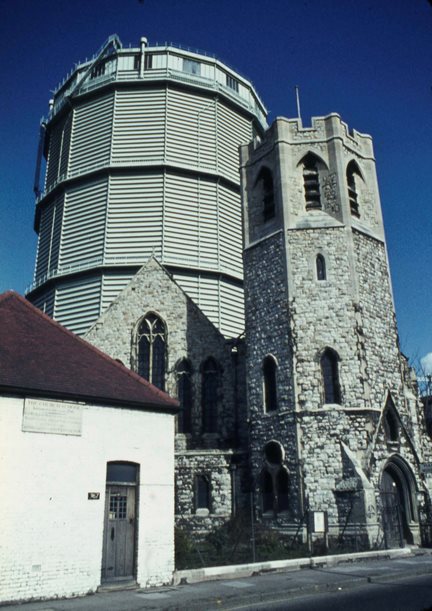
(398, 501)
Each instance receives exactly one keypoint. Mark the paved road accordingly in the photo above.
(409, 594)
(381, 580)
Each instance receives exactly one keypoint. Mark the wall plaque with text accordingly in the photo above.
(55, 417)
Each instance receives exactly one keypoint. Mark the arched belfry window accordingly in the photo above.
(311, 182)
(321, 272)
(265, 190)
(353, 177)
(330, 376)
(209, 395)
(270, 383)
(184, 395)
(151, 350)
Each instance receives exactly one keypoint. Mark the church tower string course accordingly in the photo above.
(141, 148)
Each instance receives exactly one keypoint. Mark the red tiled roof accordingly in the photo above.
(40, 357)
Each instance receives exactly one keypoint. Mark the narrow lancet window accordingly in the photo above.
(282, 483)
(202, 492)
(151, 350)
(267, 493)
(330, 376)
(270, 384)
(321, 268)
(391, 425)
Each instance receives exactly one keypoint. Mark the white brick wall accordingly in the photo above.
(51, 534)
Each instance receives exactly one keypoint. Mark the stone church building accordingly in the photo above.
(306, 405)
(335, 421)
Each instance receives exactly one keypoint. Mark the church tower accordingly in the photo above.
(333, 422)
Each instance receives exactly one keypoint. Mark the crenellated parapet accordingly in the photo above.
(323, 175)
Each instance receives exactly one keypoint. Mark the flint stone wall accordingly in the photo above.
(189, 335)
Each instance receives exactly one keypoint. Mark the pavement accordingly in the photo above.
(229, 588)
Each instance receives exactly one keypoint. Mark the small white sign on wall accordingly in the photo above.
(55, 417)
(318, 524)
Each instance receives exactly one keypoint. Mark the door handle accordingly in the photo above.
(112, 533)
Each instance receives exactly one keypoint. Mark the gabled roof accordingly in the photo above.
(39, 357)
(151, 265)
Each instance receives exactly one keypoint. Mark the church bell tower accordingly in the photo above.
(324, 368)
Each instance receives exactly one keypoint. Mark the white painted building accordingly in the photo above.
(87, 460)
(141, 148)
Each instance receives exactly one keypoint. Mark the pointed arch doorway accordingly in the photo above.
(399, 510)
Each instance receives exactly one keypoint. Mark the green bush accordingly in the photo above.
(184, 549)
(231, 543)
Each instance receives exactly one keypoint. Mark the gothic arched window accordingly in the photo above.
(274, 452)
(185, 396)
(274, 479)
(330, 376)
(311, 182)
(209, 395)
(352, 176)
(321, 272)
(264, 187)
(270, 388)
(151, 350)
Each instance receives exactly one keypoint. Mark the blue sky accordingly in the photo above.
(370, 61)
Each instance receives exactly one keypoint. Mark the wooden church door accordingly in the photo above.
(393, 511)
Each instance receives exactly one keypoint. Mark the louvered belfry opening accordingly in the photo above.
(264, 186)
(311, 182)
(353, 175)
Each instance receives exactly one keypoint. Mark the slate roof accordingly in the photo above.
(39, 357)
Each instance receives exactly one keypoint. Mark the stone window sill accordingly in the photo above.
(201, 512)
